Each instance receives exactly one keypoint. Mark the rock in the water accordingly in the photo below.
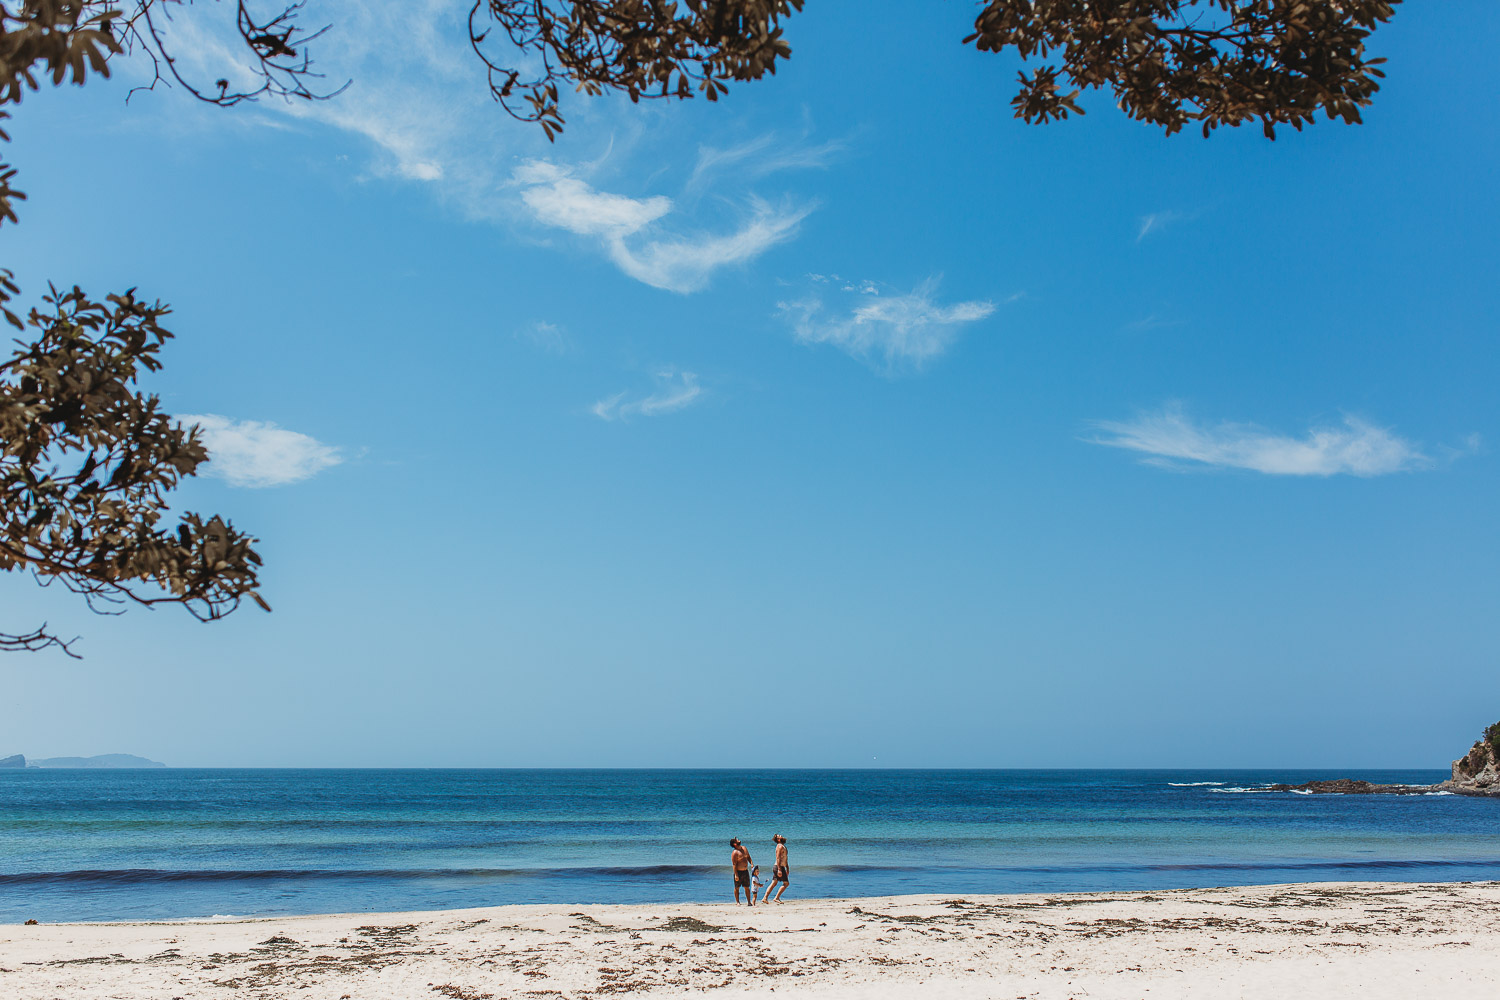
(1350, 786)
(19, 760)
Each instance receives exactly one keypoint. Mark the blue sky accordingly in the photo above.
(847, 422)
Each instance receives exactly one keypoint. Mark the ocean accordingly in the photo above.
(175, 843)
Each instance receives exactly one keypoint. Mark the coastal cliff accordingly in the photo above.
(1478, 771)
(16, 760)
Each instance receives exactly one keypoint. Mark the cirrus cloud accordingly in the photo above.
(888, 331)
(1171, 439)
(626, 229)
(556, 198)
(675, 391)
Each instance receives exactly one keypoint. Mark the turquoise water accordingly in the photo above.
(110, 845)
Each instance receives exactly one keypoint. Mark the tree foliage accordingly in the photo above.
(641, 48)
(88, 461)
(66, 39)
(1171, 62)
(63, 41)
(1167, 62)
(88, 464)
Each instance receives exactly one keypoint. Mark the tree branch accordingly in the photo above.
(35, 641)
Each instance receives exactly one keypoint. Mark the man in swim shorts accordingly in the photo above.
(781, 872)
(739, 864)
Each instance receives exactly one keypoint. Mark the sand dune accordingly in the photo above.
(1365, 940)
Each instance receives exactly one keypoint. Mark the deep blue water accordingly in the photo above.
(110, 845)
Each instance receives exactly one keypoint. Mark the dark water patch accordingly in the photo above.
(104, 878)
(142, 876)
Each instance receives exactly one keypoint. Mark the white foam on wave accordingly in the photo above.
(1193, 784)
(1300, 791)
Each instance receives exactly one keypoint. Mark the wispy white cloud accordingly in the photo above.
(625, 228)
(760, 156)
(547, 337)
(419, 96)
(1151, 321)
(711, 159)
(1173, 440)
(675, 391)
(887, 331)
(416, 93)
(558, 199)
(256, 453)
(685, 263)
(1155, 222)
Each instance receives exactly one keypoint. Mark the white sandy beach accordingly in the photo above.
(1366, 940)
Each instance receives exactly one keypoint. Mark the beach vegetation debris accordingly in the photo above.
(468, 925)
(691, 924)
(586, 922)
(395, 934)
(901, 918)
(461, 992)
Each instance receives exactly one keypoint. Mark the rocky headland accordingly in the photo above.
(1478, 771)
(1475, 773)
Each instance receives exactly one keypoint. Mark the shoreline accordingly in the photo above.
(1328, 939)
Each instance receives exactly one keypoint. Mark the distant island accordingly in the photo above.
(114, 760)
